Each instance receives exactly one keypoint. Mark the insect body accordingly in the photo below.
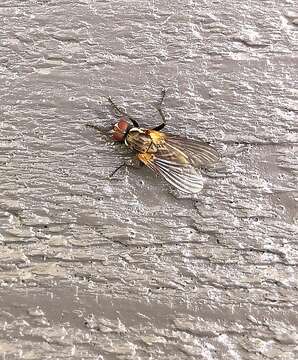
(175, 158)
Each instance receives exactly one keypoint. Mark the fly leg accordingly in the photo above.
(135, 163)
(96, 127)
(122, 112)
(159, 109)
(118, 168)
(103, 131)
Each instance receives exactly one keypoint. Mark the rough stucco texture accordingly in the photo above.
(93, 268)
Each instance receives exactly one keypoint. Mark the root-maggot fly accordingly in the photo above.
(176, 159)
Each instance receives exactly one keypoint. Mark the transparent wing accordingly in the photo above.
(183, 177)
(198, 153)
(176, 159)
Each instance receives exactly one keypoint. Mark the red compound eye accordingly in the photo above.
(120, 130)
(122, 125)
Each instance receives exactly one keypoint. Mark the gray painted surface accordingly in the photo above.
(92, 268)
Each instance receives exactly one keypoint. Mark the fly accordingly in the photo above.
(175, 158)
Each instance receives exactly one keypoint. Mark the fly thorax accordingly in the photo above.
(139, 141)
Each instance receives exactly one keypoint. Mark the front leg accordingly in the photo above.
(105, 132)
(122, 112)
(96, 127)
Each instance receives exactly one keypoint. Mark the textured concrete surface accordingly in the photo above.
(92, 268)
